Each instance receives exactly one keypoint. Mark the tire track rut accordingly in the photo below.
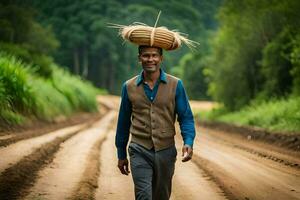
(11, 138)
(112, 184)
(59, 179)
(88, 184)
(13, 153)
(83, 165)
(15, 180)
(259, 149)
(244, 175)
(191, 182)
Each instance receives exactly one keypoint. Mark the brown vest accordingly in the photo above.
(152, 123)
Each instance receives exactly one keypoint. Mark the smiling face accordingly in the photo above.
(150, 57)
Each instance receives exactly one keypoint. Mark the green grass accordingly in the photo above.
(15, 84)
(9, 117)
(274, 115)
(50, 102)
(24, 94)
(80, 94)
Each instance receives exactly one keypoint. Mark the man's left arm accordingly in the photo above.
(186, 121)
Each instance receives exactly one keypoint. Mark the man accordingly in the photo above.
(149, 105)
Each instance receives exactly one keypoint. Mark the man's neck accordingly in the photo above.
(151, 77)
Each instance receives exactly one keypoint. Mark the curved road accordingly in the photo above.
(82, 165)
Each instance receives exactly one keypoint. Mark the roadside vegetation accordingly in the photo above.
(25, 95)
(33, 85)
(249, 52)
(253, 69)
(282, 115)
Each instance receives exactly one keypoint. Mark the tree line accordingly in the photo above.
(249, 49)
(76, 36)
(255, 53)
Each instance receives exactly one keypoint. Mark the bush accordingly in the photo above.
(16, 90)
(41, 62)
(24, 94)
(50, 102)
(275, 115)
(81, 94)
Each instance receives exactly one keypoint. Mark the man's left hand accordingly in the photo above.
(187, 153)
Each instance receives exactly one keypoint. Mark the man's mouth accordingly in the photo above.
(150, 64)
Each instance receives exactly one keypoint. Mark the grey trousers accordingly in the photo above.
(152, 171)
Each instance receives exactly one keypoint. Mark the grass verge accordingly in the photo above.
(26, 96)
(282, 115)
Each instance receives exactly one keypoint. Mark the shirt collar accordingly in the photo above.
(162, 77)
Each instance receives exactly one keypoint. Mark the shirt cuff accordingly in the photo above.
(189, 142)
(122, 154)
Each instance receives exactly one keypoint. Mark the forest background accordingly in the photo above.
(248, 59)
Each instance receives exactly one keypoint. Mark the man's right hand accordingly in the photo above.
(123, 166)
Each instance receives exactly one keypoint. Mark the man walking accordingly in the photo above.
(149, 106)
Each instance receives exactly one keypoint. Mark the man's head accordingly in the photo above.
(150, 58)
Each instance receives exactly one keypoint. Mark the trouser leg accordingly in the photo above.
(164, 166)
(141, 164)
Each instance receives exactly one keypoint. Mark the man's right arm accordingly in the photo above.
(123, 125)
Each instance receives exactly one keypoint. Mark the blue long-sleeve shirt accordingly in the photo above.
(182, 109)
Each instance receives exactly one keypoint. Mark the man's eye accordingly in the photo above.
(148, 56)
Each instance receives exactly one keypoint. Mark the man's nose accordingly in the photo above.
(151, 58)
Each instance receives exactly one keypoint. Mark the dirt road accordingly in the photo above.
(79, 162)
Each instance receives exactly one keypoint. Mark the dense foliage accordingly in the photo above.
(249, 50)
(76, 35)
(281, 115)
(25, 95)
(22, 36)
(255, 51)
(91, 49)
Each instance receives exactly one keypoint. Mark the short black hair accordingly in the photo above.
(145, 46)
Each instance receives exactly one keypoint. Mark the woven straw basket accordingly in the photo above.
(150, 36)
(142, 34)
(154, 36)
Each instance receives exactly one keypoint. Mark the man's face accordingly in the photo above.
(150, 59)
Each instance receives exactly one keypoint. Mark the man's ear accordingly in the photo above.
(139, 57)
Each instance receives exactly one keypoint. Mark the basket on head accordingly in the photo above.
(150, 36)
(142, 34)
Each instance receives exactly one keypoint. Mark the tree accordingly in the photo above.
(23, 36)
(251, 51)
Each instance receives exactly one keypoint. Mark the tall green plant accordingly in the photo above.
(80, 94)
(295, 59)
(252, 49)
(24, 94)
(16, 80)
